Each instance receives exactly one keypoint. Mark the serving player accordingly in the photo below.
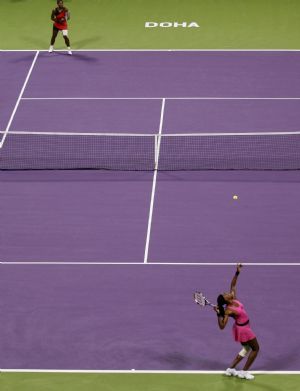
(230, 306)
(59, 16)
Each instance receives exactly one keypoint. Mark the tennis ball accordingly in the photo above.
(235, 197)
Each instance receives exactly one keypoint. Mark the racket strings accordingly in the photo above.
(200, 299)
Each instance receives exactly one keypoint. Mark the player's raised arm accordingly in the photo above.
(234, 280)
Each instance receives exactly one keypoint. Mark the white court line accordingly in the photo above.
(153, 135)
(167, 98)
(133, 371)
(154, 181)
(155, 50)
(83, 134)
(148, 263)
(18, 101)
(199, 134)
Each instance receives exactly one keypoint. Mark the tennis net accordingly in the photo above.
(116, 151)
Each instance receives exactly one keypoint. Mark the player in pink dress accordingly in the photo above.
(229, 306)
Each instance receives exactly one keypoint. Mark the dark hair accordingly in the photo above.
(58, 1)
(221, 302)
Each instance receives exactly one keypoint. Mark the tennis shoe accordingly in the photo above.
(231, 372)
(245, 375)
(50, 49)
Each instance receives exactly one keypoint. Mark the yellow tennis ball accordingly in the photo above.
(235, 197)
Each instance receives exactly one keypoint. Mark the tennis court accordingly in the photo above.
(117, 175)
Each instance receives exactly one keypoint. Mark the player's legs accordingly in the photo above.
(67, 41)
(242, 354)
(253, 354)
(236, 361)
(54, 35)
(244, 374)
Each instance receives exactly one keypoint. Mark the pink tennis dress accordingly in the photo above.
(241, 329)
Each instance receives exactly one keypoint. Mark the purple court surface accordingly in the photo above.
(142, 317)
(118, 315)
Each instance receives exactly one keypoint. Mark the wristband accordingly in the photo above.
(237, 273)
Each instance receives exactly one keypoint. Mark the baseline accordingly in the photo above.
(155, 263)
(139, 371)
(155, 50)
(166, 98)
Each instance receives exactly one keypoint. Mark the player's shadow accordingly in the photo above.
(179, 361)
(283, 362)
(84, 56)
(23, 57)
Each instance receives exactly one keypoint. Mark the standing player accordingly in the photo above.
(229, 306)
(59, 16)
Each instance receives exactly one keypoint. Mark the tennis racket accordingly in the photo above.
(200, 299)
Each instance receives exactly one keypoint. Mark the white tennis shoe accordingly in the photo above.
(231, 372)
(245, 375)
(50, 49)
